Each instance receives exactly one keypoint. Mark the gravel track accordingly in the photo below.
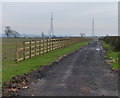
(84, 73)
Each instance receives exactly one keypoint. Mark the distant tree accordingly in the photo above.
(8, 31)
(11, 33)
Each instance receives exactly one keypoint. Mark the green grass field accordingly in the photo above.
(112, 54)
(8, 48)
(10, 68)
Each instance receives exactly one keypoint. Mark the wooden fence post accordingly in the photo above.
(63, 42)
(57, 43)
(39, 47)
(60, 42)
(52, 44)
(16, 52)
(35, 48)
(49, 44)
(30, 50)
(24, 50)
(69, 41)
(46, 45)
(66, 41)
(43, 46)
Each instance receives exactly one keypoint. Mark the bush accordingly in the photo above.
(113, 41)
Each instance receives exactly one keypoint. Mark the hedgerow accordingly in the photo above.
(113, 41)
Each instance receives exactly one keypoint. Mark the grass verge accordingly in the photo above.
(112, 55)
(28, 65)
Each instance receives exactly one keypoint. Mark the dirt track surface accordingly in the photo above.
(84, 73)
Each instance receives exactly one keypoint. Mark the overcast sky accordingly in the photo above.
(69, 18)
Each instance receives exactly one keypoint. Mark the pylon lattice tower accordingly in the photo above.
(51, 26)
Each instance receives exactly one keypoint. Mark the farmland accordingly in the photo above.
(8, 48)
(82, 69)
(8, 51)
(11, 68)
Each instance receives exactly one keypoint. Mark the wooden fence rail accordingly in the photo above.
(38, 47)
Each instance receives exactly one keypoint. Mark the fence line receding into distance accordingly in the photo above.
(38, 47)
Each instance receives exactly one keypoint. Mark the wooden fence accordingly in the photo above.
(38, 47)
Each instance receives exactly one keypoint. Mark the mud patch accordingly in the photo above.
(85, 89)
